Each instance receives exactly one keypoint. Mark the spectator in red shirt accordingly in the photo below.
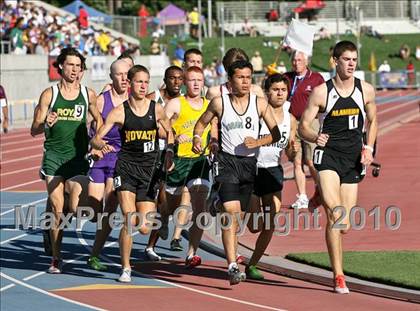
(302, 82)
(143, 13)
(82, 19)
(411, 74)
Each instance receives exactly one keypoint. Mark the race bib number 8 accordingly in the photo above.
(79, 111)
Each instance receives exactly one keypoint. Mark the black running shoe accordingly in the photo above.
(176, 245)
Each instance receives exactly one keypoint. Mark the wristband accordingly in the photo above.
(197, 136)
(170, 150)
(370, 148)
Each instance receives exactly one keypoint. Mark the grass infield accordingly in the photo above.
(397, 268)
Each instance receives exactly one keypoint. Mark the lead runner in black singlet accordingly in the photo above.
(340, 157)
(138, 119)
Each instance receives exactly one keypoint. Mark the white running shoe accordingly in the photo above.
(151, 255)
(125, 276)
(301, 202)
(340, 285)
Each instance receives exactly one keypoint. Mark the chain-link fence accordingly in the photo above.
(256, 11)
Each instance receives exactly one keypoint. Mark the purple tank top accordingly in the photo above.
(112, 137)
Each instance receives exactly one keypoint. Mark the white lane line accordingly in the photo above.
(14, 136)
(23, 141)
(39, 290)
(397, 106)
(15, 238)
(6, 287)
(21, 185)
(86, 245)
(21, 159)
(24, 205)
(22, 149)
(20, 171)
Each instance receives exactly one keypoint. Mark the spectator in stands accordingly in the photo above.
(258, 65)
(411, 74)
(405, 51)
(272, 15)
(418, 52)
(16, 37)
(384, 67)
(179, 54)
(248, 29)
(194, 20)
(155, 47)
(143, 14)
(4, 113)
(103, 41)
(83, 18)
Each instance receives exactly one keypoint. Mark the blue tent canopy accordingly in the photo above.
(94, 15)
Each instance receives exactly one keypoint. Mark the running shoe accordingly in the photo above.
(151, 255)
(253, 273)
(193, 261)
(176, 245)
(47, 242)
(125, 276)
(96, 264)
(340, 285)
(56, 266)
(301, 202)
(236, 276)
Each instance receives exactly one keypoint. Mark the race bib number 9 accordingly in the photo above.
(79, 111)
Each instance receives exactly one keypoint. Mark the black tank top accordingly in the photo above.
(343, 119)
(139, 144)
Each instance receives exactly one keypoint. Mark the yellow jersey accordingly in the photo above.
(184, 125)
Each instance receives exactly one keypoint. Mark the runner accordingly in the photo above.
(4, 117)
(269, 181)
(344, 102)
(238, 114)
(138, 120)
(231, 56)
(61, 115)
(191, 170)
(102, 172)
(174, 78)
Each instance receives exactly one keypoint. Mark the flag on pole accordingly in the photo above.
(300, 36)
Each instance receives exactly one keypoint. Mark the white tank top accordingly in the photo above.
(234, 127)
(270, 155)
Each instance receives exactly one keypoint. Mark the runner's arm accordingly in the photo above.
(41, 112)
(214, 109)
(372, 123)
(316, 103)
(266, 112)
(93, 110)
(115, 117)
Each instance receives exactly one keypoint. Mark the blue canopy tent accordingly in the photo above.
(94, 15)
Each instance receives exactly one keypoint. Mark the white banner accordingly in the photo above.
(300, 36)
(98, 68)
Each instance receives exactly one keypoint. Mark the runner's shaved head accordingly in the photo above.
(119, 65)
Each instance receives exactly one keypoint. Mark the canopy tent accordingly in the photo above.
(172, 15)
(94, 15)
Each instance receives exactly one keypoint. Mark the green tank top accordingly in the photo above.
(68, 137)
